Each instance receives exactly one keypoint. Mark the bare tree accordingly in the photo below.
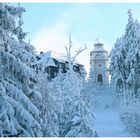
(71, 60)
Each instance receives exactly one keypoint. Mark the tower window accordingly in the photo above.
(98, 54)
(100, 65)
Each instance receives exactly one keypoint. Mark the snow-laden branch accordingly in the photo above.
(71, 59)
(78, 52)
(70, 43)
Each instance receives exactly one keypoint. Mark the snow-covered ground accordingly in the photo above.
(106, 110)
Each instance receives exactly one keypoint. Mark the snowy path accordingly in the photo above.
(106, 110)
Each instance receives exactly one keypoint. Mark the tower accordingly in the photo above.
(99, 65)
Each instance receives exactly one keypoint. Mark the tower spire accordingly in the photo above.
(97, 40)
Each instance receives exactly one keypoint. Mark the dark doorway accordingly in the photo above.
(100, 79)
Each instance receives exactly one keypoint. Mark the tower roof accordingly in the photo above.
(98, 47)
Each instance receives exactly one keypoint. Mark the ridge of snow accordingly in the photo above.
(56, 55)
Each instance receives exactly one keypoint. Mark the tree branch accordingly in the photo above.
(78, 52)
(70, 43)
(69, 57)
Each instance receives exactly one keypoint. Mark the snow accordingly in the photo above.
(98, 49)
(107, 114)
(56, 55)
(51, 63)
(31, 105)
(21, 115)
(76, 120)
(124, 69)
(74, 115)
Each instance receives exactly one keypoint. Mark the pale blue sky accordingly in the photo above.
(50, 23)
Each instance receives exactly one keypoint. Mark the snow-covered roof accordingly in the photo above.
(46, 62)
(55, 55)
(51, 63)
(51, 54)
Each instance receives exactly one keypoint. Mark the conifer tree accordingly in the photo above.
(20, 115)
(125, 72)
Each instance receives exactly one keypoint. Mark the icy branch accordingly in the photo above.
(68, 50)
(78, 52)
(69, 57)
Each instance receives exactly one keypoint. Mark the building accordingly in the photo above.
(53, 62)
(99, 65)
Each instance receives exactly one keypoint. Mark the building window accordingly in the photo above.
(67, 65)
(55, 74)
(100, 65)
(75, 68)
(60, 65)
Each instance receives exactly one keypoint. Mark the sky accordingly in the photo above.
(49, 25)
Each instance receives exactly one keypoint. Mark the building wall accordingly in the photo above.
(99, 66)
(101, 69)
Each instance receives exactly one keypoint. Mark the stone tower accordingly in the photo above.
(99, 65)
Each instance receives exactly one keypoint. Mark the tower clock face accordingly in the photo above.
(100, 65)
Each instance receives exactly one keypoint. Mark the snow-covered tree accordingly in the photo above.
(116, 67)
(125, 72)
(49, 107)
(73, 113)
(125, 55)
(71, 60)
(19, 111)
